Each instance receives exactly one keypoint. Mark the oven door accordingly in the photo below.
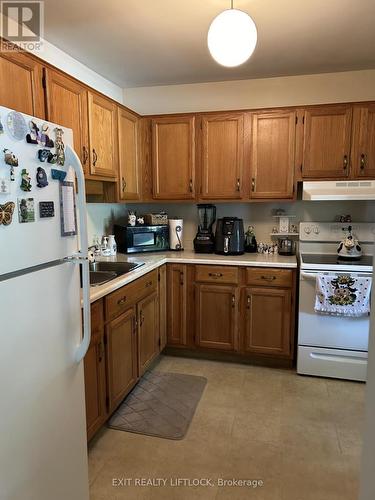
(320, 330)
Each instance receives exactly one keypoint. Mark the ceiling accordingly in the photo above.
(158, 42)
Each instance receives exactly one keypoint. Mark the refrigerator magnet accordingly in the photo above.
(68, 209)
(1, 127)
(10, 158)
(59, 146)
(6, 213)
(4, 186)
(58, 175)
(25, 180)
(41, 178)
(26, 211)
(16, 125)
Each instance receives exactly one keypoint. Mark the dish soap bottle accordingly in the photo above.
(250, 241)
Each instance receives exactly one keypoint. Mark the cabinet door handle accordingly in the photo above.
(121, 301)
(362, 162)
(238, 185)
(191, 185)
(100, 352)
(123, 184)
(215, 275)
(233, 300)
(181, 278)
(95, 157)
(268, 278)
(141, 318)
(85, 155)
(253, 184)
(248, 302)
(345, 162)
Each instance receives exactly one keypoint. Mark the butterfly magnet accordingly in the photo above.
(6, 213)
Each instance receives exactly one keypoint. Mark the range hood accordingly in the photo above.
(338, 190)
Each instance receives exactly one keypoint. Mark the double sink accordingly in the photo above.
(101, 272)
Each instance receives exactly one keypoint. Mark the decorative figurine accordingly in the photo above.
(6, 213)
(60, 147)
(25, 180)
(132, 218)
(10, 158)
(41, 177)
(58, 175)
(250, 241)
(140, 220)
(26, 211)
(32, 136)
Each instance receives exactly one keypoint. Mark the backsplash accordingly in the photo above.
(101, 217)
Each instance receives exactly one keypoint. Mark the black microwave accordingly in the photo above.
(131, 239)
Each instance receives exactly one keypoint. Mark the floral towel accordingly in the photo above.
(342, 295)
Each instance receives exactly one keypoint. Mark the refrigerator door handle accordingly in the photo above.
(72, 160)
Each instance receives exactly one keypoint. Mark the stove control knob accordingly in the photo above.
(307, 229)
(316, 230)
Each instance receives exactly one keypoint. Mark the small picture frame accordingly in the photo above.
(68, 212)
(26, 210)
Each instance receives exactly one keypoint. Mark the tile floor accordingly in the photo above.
(300, 435)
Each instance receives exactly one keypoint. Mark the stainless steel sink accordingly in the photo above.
(101, 272)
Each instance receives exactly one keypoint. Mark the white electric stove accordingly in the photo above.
(331, 346)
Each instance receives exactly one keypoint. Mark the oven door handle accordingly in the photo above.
(309, 276)
(338, 358)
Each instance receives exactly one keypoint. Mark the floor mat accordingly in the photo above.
(162, 404)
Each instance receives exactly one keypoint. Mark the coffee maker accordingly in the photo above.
(204, 241)
(229, 236)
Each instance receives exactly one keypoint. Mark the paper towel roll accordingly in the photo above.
(176, 231)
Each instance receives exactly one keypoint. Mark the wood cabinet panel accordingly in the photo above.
(217, 316)
(273, 154)
(177, 304)
(327, 136)
(269, 277)
(121, 352)
(129, 171)
(148, 331)
(21, 83)
(103, 136)
(67, 106)
(268, 321)
(363, 145)
(173, 157)
(219, 274)
(163, 306)
(222, 156)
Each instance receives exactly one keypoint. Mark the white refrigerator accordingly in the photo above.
(43, 452)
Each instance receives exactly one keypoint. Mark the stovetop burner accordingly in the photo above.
(333, 259)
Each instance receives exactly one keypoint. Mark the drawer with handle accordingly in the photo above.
(269, 276)
(217, 274)
(118, 301)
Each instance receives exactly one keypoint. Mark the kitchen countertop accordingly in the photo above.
(157, 259)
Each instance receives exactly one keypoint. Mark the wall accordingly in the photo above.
(102, 217)
(259, 93)
(65, 62)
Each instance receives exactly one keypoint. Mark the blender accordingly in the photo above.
(204, 241)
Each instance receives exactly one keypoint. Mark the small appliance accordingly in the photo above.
(132, 239)
(229, 236)
(204, 241)
(251, 245)
(349, 248)
(176, 231)
(286, 246)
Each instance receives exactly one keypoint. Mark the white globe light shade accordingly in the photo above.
(232, 37)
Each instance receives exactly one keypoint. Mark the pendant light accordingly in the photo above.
(232, 37)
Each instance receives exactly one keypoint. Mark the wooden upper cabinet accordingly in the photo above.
(268, 321)
(103, 136)
(67, 106)
(363, 145)
(327, 136)
(222, 152)
(129, 175)
(21, 84)
(217, 316)
(173, 157)
(273, 138)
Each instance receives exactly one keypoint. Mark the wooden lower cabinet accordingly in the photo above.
(95, 376)
(177, 304)
(268, 321)
(148, 331)
(217, 316)
(121, 350)
(162, 278)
